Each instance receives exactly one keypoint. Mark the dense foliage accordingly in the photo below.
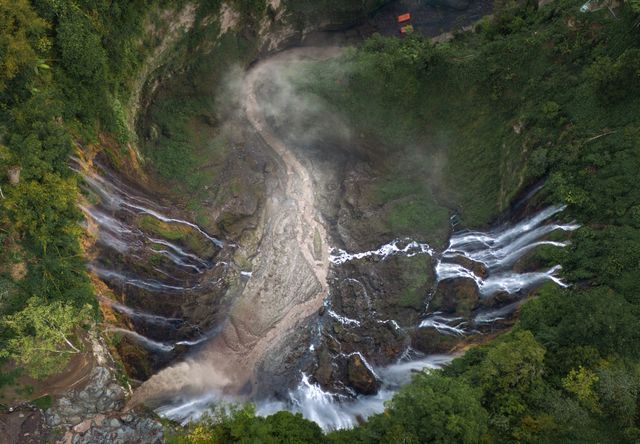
(64, 67)
(242, 425)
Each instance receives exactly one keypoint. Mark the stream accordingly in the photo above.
(498, 249)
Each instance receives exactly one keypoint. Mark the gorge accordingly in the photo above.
(306, 328)
(315, 221)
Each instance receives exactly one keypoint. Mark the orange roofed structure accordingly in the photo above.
(404, 18)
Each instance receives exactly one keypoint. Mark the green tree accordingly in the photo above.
(22, 38)
(510, 377)
(433, 408)
(81, 50)
(45, 211)
(41, 335)
(617, 388)
(241, 425)
(581, 383)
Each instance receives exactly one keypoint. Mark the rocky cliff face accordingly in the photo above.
(154, 268)
(160, 284)
(279, 262)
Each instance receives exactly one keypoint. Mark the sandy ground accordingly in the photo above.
(289, 281)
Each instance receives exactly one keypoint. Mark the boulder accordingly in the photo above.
(457, 296)
(360, 377)
(429, 340)
(83, 426)
(324, 371)
(477, 268)
(499, 298)
(14, 175)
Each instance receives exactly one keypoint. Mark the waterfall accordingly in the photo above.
(132, 258)
(114, 196)
(143, 340)
(339, 256)
(443, 324)
(139, 314)
(329, 410)
(332, 411)
(496, 250)
(499, 250)
(145, 284)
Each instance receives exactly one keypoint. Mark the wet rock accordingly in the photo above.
(459, 296)
(360, 376)
(324, 372)
(429, 340)
(478, 268)
(499, 298)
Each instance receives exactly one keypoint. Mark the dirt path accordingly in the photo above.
(289, 280)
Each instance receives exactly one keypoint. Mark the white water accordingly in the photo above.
(343, 319)
(497, 250)
(124, 239)
(145, 284)
(502, 236)
(328, 410)
(338, 256)
(181, 252)
(445, 325)
(177, 260)
(143, 340)
(336, 412)
(115, 197)
(166, 219)
(133, 313)
(161, 346)
(512, 282)
(496, 314)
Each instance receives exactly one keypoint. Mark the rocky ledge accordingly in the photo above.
(93, 413)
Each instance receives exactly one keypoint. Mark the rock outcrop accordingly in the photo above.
(457, 296)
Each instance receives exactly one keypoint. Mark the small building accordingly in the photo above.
(404, 18)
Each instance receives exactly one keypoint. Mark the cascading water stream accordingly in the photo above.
(499, 250)
(123, 242)
(139, 314)
(496, 250)
(327, 409)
